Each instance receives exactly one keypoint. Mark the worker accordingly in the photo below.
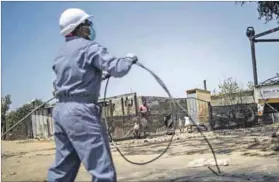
(79, 133)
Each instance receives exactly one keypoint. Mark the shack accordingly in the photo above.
(198, 105)
(121, 112)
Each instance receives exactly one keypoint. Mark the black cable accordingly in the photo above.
(173, 104)
(120, 152)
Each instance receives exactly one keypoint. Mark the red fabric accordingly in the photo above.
(143, 108)
(69, 35)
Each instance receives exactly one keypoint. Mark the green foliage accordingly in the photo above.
(37, 102)
(230, 92)
(234, 98)
(250, 86)
(14, 116)
(229, 86)
(269, 10)
(5, 106)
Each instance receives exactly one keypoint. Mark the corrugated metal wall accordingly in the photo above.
(192, 106)
(204, 97)
(266, 92)
(42, 123)
(121, 112)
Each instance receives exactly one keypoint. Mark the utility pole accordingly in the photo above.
(250, 33)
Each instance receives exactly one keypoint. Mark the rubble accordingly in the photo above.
(207, 162)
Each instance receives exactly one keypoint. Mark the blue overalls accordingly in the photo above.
(78, 132)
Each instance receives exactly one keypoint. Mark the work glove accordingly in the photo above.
(105, 76)
(133, 57)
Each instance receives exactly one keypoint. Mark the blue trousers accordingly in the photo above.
(80, 137)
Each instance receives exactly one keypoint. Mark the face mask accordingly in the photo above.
(92, 35)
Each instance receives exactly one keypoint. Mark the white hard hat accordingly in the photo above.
(70, 19)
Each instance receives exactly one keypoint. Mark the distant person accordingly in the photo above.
(144, 109)
(144, 116)
(137, 129)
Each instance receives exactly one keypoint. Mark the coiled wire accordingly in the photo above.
(173, 104)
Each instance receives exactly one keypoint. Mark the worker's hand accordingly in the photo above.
(133, 57)
(54, 92)
(105, 76)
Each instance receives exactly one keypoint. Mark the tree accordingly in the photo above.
(37, 102)
(250, 85)
(5, 106)
(11, 119)
(25, 128)
(269, 10)
(234, 99)
(230, 92)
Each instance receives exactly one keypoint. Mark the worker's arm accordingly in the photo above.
(100, 58)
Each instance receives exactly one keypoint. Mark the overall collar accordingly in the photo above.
(69, 38)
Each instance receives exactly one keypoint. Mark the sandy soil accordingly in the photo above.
(243, 155)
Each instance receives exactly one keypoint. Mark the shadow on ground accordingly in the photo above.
(221, 144)
(206, 176)
(6, 156)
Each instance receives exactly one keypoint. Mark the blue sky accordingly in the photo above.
(183, 42)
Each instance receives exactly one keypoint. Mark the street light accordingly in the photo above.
(250, 32)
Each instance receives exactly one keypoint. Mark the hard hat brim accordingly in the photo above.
(69, 30)
(87, 17)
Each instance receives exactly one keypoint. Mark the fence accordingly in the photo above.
(238, 115)
(122, 112)
(42, 123)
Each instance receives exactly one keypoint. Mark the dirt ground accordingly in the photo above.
(242, 154)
